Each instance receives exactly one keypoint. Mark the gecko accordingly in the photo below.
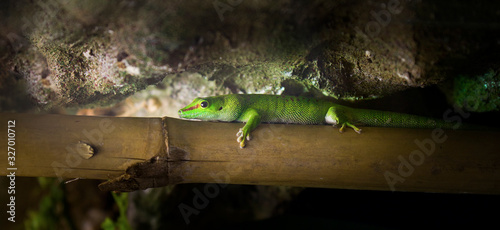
(252, 109)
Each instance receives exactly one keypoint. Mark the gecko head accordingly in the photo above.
(208, 108)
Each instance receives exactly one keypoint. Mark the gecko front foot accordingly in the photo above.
(242, 136)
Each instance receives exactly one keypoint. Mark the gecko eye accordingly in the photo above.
(204, 104)
(220, 108)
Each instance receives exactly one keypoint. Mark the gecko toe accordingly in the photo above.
(242, 144)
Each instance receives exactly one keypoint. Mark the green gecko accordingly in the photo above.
(256, 108)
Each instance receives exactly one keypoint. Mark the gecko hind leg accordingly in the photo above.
(356, 129)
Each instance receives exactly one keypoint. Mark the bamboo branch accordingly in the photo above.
(58, 145)
(149, 152)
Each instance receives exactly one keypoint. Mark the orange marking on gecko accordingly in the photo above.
(191, 108)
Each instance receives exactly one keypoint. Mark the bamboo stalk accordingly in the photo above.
(154, 152)
(320, 156)
(50, 145)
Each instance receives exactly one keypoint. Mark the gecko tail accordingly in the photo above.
(401, 120)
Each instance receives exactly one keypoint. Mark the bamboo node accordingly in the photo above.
(86, 151)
